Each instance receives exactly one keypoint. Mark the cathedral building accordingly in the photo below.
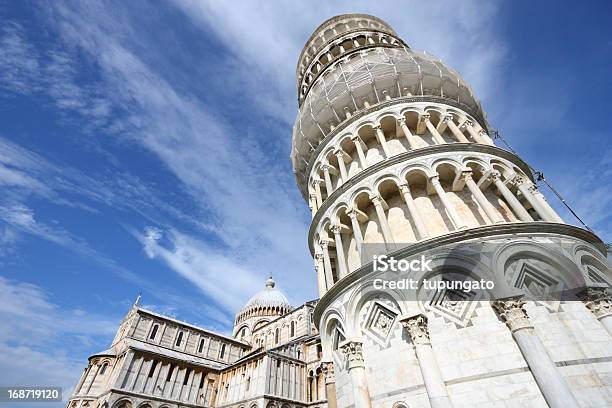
(393, 153)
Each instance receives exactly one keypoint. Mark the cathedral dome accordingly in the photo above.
(267, 302)
(268, 297)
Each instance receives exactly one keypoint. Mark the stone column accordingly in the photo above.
(484, 136)
(320, 270)
(450, 210)
(599, 302)
(342, 269)
(552, 385)
(470, 128)
(327, 177)
(356, 230)
(407, 133)
(414, 212)
(327, 368)
(540, 197)
(360, 153)
(357, 372)
(539, 204)
(380, 135)
(514, 203)
(312, 203)
(317, 186)
(432, 129)
(329, 278)
(382, 219)
(343, 173)
(416, 326)
(455, 130)
(481, 199)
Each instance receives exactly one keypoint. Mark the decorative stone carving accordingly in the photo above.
(599, 302)
(512, 313)
(353, 353)
(379, 322)
(327, 367)
(416, 326)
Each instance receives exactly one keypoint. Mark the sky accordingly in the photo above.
(144, 148)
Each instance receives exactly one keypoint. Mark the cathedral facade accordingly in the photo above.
(393, 153)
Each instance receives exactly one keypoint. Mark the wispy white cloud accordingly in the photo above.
(42, 343)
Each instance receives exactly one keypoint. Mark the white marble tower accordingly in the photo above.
(391, 147)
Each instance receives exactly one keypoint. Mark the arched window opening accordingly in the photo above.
(187, 374)
(292, 329)
(154, 332)
(179, 339)
(103, 368)
(170, 371)
(153, 367)
(222, 353)
(276, 335)
(201, 346)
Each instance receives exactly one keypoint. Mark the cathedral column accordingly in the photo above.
(327, 178)
(540, 197)
(599, 302)
(455, 130)
(360, 152)
(327, 367)
(413, 211)
(312, 203)
(382, 218)
(538, 203)
(470, 128)
(341, 164)
(317, 186)
(550, 381)
(357, 372)
(481, 199)
(324, 244)
(320, 270)
(450, 210)
(352, 213)
(514, 203)
(341, 260)
(380, 135)
(432, 129)
(407, 133)
(416, 326)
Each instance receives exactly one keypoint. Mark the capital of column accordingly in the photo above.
(335, 229)
(327, 368)
(466, 175)
(467, 123)
(404, 188)
(351, 213)
(339, 153)
(416, 327)
(319, 256)
(516, 181)
(424, 118)
(353, 353)
(401, 121)
(599, 302)
(448, 118)
(317, 181)
(376, 199)
(326, 168)
(323, 244)
(435, 179)
(512, 313)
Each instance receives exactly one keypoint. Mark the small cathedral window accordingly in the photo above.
(154, 332)
(201, 346)
(179, 339)
(222, 353)
(103, 368)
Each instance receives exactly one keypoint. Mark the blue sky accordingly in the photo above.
(144, 147)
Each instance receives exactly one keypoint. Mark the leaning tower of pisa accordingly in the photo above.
(391, 149)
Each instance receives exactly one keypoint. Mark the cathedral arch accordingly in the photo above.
(529, 266)
(123, 403)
